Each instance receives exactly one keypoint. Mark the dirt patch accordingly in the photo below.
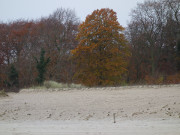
(95, 105)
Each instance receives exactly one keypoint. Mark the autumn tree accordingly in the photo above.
(22, 40)
(6, 53)
(101, 56)
(138, 65)
(56, 34)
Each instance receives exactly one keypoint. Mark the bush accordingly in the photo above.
(173, 79)
(154, 80)
(41, 65)
(3, 93)
(170, 79)
(13, 77)
(55, 85)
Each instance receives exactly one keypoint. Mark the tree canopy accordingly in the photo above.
(102, 50)
(96, 52)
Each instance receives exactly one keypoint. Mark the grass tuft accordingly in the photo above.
(56, 85)
(53, 84)
(3, 93)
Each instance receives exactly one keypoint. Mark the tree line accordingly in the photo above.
(153, 37)
(96, 52)
(21, 42)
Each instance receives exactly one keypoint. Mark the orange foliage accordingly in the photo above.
(158, 80)
(101, 56)
(170, 79)
(173, 79)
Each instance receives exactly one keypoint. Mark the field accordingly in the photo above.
(142, 110)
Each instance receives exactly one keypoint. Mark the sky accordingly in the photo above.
(11, 10)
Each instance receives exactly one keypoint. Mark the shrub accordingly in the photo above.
(13, 77)
(53, 84)
(3, 93)
(41, 67)
(56, 85)
(154, 80)
(173, 79)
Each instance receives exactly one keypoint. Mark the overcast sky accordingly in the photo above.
(33, 9)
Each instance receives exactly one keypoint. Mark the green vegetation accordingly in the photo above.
(55, 85)
(41, 67)
(3, 93)
(13, 77)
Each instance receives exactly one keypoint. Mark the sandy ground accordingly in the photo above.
(138, 110)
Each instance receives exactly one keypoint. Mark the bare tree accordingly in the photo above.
(151, 33)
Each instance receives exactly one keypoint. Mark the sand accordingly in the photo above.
(142, 110)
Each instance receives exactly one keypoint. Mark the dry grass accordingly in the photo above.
(3, 93)
(55, 85)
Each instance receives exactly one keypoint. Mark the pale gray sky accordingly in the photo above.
(33, 9)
